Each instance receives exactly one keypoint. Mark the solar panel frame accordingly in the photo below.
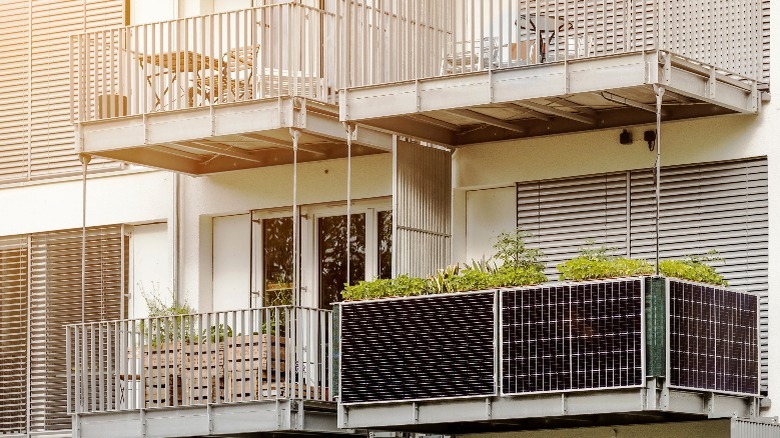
(634, 374)
(678, 359)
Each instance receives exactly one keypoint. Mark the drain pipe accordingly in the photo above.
(84, 159)
(659, 96)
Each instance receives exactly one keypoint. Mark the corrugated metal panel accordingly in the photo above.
(14, 84)
(13, 334)
(421, 348)
(55, 291)
(422, 209)
(52, 142)
(720, 206)
(754, 429)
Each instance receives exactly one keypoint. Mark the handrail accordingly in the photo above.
(269, 353)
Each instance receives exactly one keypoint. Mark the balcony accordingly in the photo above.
(239, 372)
(624, 351)
(215, 93)
(504, 69)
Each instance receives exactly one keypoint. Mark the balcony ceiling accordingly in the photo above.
(228, 137)
(547, 99)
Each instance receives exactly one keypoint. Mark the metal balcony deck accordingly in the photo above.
(552, 98)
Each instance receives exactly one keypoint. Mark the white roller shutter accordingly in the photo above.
(13, 335)
(720, 206)
(422, 191)
(55, 291)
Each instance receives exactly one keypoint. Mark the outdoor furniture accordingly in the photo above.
(482, 56)
(167, 66)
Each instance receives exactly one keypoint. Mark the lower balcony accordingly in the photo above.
(239, 372)
(624, 351)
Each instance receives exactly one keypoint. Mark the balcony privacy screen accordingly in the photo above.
(416, 349)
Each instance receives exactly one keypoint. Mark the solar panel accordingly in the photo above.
(713, 338)
(569, 337)
(416, 349)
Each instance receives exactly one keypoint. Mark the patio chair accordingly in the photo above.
(483, 57)
(232, 82)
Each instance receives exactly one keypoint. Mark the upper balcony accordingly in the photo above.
(217, 92)
(487, 70)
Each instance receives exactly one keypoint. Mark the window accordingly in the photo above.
(323, 252)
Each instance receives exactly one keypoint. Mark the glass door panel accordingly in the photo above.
(332, 254)
(277, 261)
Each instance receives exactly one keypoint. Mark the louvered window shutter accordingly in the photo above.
(51, 133)
(714, 206)
(421, 219)
(765, 39)
(720, 206)
(56, 301)
(13, 335)
(14, 88)
(563, 215)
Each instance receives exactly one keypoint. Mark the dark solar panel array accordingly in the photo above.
(416, 349)
(580, 336)
(713, 338)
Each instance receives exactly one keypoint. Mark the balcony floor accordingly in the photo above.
(227, 137)
(283, 417)
(554, 98)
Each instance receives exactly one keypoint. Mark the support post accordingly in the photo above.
(349, 202)
(659, 96)
(84, 159)
(295, 134)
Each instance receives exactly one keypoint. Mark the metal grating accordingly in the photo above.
(572, 337)
(415, 349)
(713, 338)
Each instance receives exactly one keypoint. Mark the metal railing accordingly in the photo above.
(211, 358)
(263, 52)
(412, 39)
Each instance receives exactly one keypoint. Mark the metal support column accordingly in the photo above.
(85, 159)
(295, 134)
(659, 96)
(349, 202)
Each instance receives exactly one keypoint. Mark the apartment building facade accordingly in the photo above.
(247, 159)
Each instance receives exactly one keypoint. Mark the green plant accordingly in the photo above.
(168, 320)
(401, 286)
(599, 262)
(694, 268)
(217, 333)
(512, 251)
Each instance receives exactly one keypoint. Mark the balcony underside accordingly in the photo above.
(228, 137)
(545, 99)
(282, 416)
(546, 411)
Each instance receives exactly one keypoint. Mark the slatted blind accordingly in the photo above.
(421, 220)
(14, 87)
(55, 291)
(765, 38)
(13, 335)
(720, 206)
(36, 136)
(51, 132)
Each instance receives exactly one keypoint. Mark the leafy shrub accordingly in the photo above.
(519, 266)
(598, 263)
(694, 268)
(401, 286)
(167, 319)
(595, 263)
